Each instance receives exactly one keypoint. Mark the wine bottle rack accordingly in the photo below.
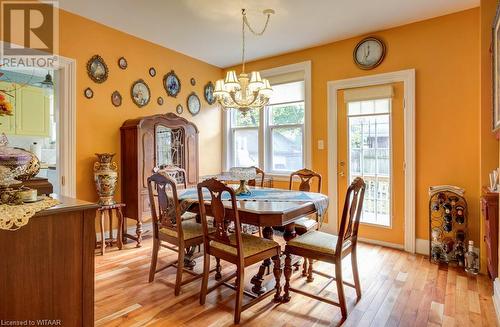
(448, 232)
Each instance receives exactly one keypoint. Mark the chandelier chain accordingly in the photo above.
(247, 23)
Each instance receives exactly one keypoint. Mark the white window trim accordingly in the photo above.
(305, 67)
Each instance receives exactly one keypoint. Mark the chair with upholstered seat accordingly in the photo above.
(306, 223)
(170, 230)
(331, 248)
(179, 175)
(237, 248)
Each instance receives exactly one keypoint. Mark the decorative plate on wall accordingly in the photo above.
(179, 109)
(88, 93)
(172, 84)
(193, 104)
(159, 101)
(97, 69)
(116, 99)
(140, 93)
(122, 63)
(152, 72)
(193, 81)
(208, 92)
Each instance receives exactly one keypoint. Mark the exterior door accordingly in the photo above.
(371, 145)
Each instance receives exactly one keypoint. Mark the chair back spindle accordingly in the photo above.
(167, 215)
(222, 215)
(351, 213)
(306, 178)
(253, 182)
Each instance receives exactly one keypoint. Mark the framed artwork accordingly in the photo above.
(172, 84)
(496, 70)
(116, 99)
(140, 93)
(97, 69)
(193, 104)
(122, 63)
(88, 93)
(193, 81)
(159, 101)
(152, 72)
(179, 109)
(208, 92)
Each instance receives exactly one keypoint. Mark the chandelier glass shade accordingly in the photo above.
(244, 92)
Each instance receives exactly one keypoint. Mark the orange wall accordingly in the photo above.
(98, 121)
(489, 144)
(444, 52)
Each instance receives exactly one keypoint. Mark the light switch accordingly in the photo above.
(321, 145)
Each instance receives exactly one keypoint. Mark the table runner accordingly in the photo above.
(319, 200)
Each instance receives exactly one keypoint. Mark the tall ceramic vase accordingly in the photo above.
(105, 178)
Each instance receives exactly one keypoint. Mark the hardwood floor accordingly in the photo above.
(399, 289)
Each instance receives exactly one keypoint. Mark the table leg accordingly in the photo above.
(103, 238)
(138, 231)
(257, 280)
(119, 237)
(189, 263)
(110, 217)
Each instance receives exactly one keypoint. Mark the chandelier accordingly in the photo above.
(244, 92)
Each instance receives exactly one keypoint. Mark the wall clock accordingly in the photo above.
(193, 104)
(369, 53)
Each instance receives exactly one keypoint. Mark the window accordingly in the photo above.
(272, 138)
(369, 129)
(286, 128)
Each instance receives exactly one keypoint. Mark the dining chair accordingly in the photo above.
(331, 248)
(305, 224)
(237, 248)
(169, 229)
(253, 182)
(179, 175)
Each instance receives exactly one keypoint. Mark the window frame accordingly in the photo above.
(265, 146)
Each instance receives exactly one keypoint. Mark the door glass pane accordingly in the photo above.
(286, 148)
(246, 147)
(370, 157)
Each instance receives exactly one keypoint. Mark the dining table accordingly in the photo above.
(266, 208)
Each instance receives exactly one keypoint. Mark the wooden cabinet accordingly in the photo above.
(47, 269)
(489, 207)
(150, 142)
(31, 111)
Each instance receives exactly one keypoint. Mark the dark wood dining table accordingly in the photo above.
(267, 214)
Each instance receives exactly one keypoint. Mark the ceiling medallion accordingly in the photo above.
(244, 92)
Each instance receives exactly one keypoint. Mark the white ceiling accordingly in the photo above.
(210, 30)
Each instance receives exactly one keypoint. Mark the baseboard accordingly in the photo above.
(496, 298)
(382, 243)
(422, 246)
